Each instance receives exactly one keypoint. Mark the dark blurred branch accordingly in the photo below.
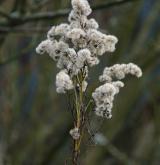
(46, 15)
(39, 5)
(19, 20)
(112, 4)
(65, 12)
(15, 5)
(29, 30)
(3, 14)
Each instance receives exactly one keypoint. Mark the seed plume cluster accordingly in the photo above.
(76, 47)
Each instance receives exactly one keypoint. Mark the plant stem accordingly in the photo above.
(76, 152)
(79, 119)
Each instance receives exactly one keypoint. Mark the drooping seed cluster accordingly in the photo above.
(104, 95)
(76, 46)
(119, 71)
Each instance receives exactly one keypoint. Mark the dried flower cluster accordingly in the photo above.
(78, 45)
(104, 95)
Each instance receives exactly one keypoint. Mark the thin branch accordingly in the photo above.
(39, 5)
(29, 30)
(46, 16)
(61, 13)
(65, 12)
(112, 4)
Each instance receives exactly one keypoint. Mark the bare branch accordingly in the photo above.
(14, 21)
(65, 12)
(29, 30)
(112, 4)
(39, 5)
(60, 13)
(46, 15)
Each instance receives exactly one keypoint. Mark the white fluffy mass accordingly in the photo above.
(75, 133)
(104, 95)
(79, 43)
(81, 7)
(119, 71)
(63, 82)
(76, 46)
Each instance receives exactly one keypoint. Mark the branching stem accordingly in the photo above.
(80, 117)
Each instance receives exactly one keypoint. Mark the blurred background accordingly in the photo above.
(35, 120)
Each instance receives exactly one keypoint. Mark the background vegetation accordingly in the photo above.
(35, 120)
